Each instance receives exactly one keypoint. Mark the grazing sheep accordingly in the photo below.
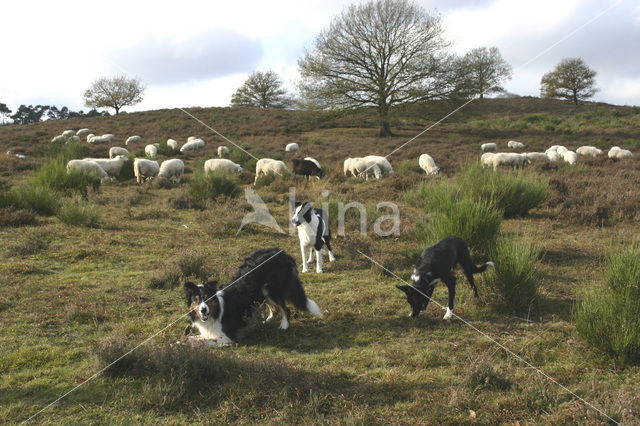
(223, 151)
(110, 165)
(114, 151)
(101, 139)
(15, 154)
(151, 151)
(363, 167)
(291, 147)
(570, 157)
(145, 169)
(82, 132)
(382, 162)
(347, 166)
(489, 147)
(588, 151)
(554, 156)
(192, 144)
(534, 157)
(132, 139)
(89, 137)
(74, 138)
(172, 170)
(68, 133)
(515, 145)
(88, 166)
(618, 153)
(59, 139)
(265, 166)
(428, 165)
(172, 144)
(221, 164)
(307, 168)
(503, 159)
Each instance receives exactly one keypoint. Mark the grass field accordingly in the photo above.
(80, 289)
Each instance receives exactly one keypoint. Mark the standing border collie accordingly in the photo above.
(268, 275)
(436, 264)
(313, 232)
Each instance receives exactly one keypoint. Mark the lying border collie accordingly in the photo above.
(436, 264)
(313, 232)
(268, 275)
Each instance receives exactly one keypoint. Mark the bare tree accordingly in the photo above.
(381, 53)
(263, 90)
(115, 93)
(482, 71)
(572, 79)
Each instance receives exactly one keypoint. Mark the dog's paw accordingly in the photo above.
(448, 315)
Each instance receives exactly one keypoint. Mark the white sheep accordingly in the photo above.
(363, 167)
(618, 153)
(132, 139)
(68, 133)
(265, 166)
(173, 144)
(89, 137)
(145, 169)
(347, 166)
(291, 147)
(58, 139)
(172, 170)
(88, 166)
(515, 145)
(101, 139)
(503, 159)
(151, 151)
(570, 157)
(192, 144)
(73, 138)
(489, 147)
(554, 156)
(221, 164)
(223, 151)
(533, 157)
(83, 132)
(588, 151)
(116, 150)
(382, 162)
(427, 164)
(110, 165)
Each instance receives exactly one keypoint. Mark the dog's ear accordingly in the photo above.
(404, 288)
(211, 286)
(189, 290)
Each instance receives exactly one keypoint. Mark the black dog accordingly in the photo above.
(436, 264)
(268, 275)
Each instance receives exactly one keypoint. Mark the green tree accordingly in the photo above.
(572, 79)
(116, 92)
(4, 112)
(380, 53)
(263, 90)
(29, 114)
(483, 71)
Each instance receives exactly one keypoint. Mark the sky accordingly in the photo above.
(198, 53)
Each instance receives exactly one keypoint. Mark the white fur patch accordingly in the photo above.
(313, 308)
(490, 263)
(212, 327)
(448, 314)
(415, 277)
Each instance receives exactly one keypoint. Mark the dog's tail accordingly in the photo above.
(481, 268)
(298, 297)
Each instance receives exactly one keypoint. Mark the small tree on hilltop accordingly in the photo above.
(4, 112)
(115, 93)
(572, 79)
(483, 71)
(263, 90)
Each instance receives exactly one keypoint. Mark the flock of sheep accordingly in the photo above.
(373, 166)
(553, 154)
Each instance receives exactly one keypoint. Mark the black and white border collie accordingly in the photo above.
(267, 276)
(436, 264)
(313, 232)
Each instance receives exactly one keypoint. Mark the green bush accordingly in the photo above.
(30, 197)
(53, 175)
(433, 195)
(608, 316)
(126, 172)
(513, 283)
(164, 149)
(476, 222)
(409, 166)
(248, 162)
(77, 212)
(203, 188)
(64, 151)
(515, 193)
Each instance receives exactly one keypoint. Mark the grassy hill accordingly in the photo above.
(75, 295)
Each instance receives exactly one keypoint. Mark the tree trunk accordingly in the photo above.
(385, 125)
